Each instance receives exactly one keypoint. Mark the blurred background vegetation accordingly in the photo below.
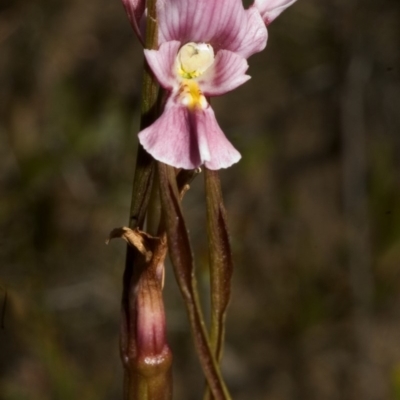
(314, 205)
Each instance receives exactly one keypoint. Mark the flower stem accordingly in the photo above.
(142, 382)
(145, 166)
(182, 260)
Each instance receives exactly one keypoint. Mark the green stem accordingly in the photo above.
(145, 166)
(141, 191)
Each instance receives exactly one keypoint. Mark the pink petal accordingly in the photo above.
(135, 10)
(270, 9)
(254, 34)
(187, 139)
(222, 153)
(162, 63)
(225, 24)
(172, 138)
(226, 74)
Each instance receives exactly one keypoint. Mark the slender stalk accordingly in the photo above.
(221, 265)
(182, 260)
(135, 388)
(145, 165)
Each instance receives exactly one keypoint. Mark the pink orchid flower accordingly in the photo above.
(203, 51)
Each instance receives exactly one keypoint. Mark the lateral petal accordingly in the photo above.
(226, 74)
(221, 152)
(172, 138)
(270, 9)
(162, 63)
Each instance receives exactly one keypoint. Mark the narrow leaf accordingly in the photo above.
(141, 189)
(182, 260)
(221, 266)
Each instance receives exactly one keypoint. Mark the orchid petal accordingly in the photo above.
(187, 138)
(197, 20)
(224, 24)
(135, 10)
(254, 34)
(226, 74)
(171, 138)
(270, 9)
(162, 63)
(222, 153)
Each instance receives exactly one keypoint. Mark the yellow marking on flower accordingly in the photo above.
(191, 95)
(194, 59)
